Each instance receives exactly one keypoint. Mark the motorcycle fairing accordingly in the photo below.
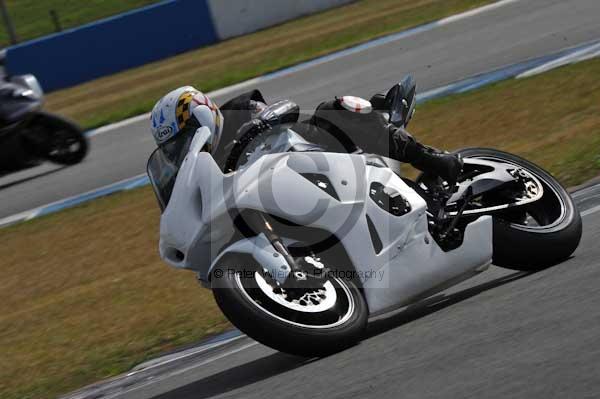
(421, 266)
(197, 226)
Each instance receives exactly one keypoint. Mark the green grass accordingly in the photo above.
(90, 299)
(84, 295)
(135, 91)
(31, 18)
(551, 119)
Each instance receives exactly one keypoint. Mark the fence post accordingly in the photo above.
(10, 28)
(56, 21)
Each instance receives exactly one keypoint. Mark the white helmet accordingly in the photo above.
(181, 113)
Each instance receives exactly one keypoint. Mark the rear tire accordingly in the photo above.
(256, 320)
(66, 143)
(531, 248)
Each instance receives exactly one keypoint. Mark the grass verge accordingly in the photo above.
(32, 17)
(551, 119)
(135, 91)
(84, 295)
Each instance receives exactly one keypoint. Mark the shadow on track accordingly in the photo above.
(237, 377)
(277, 363)
(28, 178)
(434, 304)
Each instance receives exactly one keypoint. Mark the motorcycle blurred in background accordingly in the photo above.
(30, 136)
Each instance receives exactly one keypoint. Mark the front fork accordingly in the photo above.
(258, 223)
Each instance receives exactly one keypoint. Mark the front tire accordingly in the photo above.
(245, 300)
(558, 230)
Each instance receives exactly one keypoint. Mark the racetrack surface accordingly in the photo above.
(503, 334)
(515, 32)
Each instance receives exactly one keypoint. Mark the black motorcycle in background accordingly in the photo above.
(28, 135)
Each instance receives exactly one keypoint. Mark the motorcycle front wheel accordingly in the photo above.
(538, 235)
(315, 321)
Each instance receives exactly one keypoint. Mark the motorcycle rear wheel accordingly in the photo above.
(321, 328)
(66, 143)
(546, 233)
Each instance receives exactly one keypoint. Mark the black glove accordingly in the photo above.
(245, 135)
(251, 129)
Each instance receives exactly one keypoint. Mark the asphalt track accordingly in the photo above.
(503, 334)
(515, 32)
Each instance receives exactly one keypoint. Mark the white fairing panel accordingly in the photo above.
(196, 225)
(421, 266)
(29, 81)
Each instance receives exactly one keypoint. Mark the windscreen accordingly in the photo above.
(164, 163)
(162, 174)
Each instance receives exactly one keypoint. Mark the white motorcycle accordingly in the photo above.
(300, 247)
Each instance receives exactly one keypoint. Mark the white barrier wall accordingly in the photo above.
(238, 17)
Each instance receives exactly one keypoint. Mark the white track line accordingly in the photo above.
(581, 55)
(591, 211)
(322, 60)
(586, 191)
(32, 213)
(124, 393)
(185, 354)
(476, 11)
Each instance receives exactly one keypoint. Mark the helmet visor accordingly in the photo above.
(176, 149)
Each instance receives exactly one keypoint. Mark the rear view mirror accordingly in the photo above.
(401, 101)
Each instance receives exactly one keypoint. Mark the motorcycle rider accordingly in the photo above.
(176, 117)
